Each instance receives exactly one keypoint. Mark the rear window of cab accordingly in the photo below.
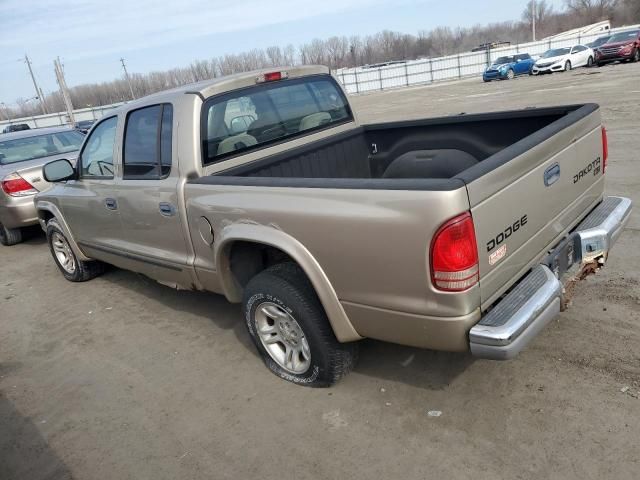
(252, 118)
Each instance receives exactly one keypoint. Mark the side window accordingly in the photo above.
(97, 155)
(147, 143)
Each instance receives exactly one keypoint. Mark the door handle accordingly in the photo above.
(167, 209)
(111, 203)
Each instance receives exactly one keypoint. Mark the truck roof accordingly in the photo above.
(214, 86)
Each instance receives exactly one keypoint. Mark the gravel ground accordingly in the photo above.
(121, 378)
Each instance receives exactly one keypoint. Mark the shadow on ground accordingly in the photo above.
(413, 366)
(24, 453)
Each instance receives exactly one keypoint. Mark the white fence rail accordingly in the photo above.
(429, 70)
(60, 118)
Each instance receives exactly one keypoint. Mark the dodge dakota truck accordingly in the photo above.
(456, 233)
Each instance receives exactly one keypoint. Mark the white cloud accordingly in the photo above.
(97, 27)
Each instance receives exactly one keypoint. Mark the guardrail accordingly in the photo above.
(451, 67)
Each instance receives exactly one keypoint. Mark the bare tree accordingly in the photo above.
(340, 51)
(591, 11)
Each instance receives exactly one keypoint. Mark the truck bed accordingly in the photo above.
(484, 141)
(505, 185)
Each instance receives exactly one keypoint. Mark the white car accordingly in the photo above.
(563, 59)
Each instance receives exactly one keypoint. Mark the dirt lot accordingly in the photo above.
(121, 378)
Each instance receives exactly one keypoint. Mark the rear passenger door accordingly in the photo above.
(579, 56)
(522, 64)
(153, 234)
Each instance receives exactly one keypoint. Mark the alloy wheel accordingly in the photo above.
(282, 337)
(63, 253)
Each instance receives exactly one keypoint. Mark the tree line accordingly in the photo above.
(343, 51)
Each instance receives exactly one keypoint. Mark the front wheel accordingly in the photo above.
(72, 269)
(510, 74)
(636, 55)
(10, 236)
(290, 329)
(567, 66)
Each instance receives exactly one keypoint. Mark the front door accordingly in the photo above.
(148, 197)
(89, 204)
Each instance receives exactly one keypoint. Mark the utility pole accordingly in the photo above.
(126, 74)
(533, 18)
(35, 85)
(64, 90)
(5, 110)
(42, 99)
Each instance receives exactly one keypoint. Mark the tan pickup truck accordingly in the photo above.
(454, 233)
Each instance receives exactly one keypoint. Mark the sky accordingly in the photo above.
(90, 36)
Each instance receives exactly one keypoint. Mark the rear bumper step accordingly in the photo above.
(537, 299)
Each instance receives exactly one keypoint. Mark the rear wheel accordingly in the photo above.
(636, 55)
(10, 236)
(510, 74)
(290, 329)
(567, 66)
(72, 269)
(590, 62)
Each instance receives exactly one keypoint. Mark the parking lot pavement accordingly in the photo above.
(123, 378)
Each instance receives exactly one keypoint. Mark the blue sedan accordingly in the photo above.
(506, 68)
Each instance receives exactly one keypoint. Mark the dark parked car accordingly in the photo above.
(18, 127)
(508, 67)
(598, 42)
(620, 46)
(83, 126)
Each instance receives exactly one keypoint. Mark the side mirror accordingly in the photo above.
(59, 171)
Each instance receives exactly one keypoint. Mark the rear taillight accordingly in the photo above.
(605, 149)
(16, 186)
(454, 255)
(272, 77)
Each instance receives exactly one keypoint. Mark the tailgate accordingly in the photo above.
(533, 193)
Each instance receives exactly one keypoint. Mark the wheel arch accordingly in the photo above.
(48, 210)
(259, 237)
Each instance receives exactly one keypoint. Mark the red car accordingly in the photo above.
(621, 46)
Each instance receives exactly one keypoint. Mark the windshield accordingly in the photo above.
(599, 41)
(39, 146)
(270, 112)
(556, 52)
(624, 36)
(503, 60)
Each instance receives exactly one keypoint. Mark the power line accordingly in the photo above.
(35, 85)
(126, 74)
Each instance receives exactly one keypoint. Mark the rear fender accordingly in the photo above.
(270, 235)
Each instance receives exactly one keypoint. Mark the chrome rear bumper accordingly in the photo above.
(516, 319)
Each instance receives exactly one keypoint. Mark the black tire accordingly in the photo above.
(286, 287)
(511, 74)
(590, 62)
(567, 66)
(636, 55)
(485, 80)
(82, 271)
(599, 64)
(10, 236)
